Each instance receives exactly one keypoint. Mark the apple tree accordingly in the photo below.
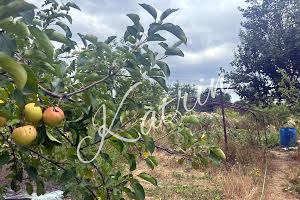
(77, 114)
(43, 68)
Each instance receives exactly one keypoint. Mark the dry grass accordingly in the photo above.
(238, 185)
(213, 183)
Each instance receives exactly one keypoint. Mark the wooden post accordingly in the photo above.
(223, 117)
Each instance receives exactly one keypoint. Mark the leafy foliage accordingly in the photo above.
(269, 42)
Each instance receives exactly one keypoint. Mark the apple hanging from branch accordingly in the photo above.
(53, 116)
(33, 113)
(24, 135)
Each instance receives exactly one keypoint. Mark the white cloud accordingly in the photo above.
(91, 24)
(208, 55)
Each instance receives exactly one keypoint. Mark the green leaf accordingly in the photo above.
(148, 177)
(164, 67)
(93, 39)
(139, 190)
(203, 159)
(31, 86)
(135, 30)
(35, 54)
(149, 143)
(164, 45)
(118, 144)
(156, 37)
(106, 157)
(4, 158)
(18, 28)
(58, 37)
(103, 47)
(134, 18)
(14, 8)
(142, 60)
(129, 193)
(171, 51)
(29, 188)
(14, 69)
(166, 13)
(19, 98)
(110, 39)
(177, 44)
(28, 16)
(153, 28)
(7, 45)
(186, 133)
(132, 161)
(43, 41)
(162, 82)
(175, 30)
(32, 172)
(73, 5)
(65, 28)
(150, 10)
(151, 162)
(68, 175)
(19, 174)
(82, 39)
(52, 138)
(69, 18)
(40, 188)
(217, 153)
(14, 186)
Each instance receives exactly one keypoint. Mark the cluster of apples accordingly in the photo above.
(25, 135)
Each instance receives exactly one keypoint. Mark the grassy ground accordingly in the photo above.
(216, 182)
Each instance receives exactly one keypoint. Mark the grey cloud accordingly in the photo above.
(212, 28)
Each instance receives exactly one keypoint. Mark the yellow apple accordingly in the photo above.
(52, 116)
(24, 135)
(3, 121)
(33, 113)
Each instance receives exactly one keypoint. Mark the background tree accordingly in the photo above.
(270, 38)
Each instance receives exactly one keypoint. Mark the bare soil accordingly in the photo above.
(281, 168)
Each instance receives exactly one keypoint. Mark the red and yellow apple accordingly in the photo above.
(53, 116)
(24, 135)
(3, 121)
(33, 113)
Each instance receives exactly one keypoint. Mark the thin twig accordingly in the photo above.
(68, 95)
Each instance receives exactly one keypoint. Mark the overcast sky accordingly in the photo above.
(211, 26)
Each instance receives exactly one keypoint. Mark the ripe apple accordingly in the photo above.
(24, 135)
(3, 121)
(33, 113)
(52, 116)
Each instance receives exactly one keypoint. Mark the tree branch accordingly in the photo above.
(68, 95)
(86, 88)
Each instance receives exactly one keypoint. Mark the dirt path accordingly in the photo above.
(281, 166)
